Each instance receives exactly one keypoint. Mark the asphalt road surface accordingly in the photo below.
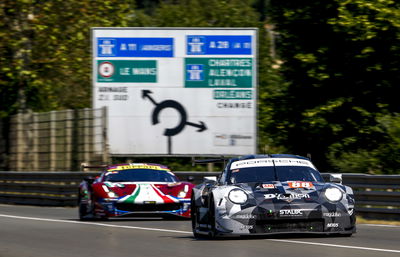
(27, 231)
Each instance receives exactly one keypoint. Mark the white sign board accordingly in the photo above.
(177, 91)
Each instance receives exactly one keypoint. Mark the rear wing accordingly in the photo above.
(207, 161)
(87, 167)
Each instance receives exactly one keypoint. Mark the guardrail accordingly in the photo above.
(377, 196)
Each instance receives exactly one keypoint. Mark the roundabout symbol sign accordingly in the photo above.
(170, 132)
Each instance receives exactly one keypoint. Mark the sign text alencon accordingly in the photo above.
(219, 72)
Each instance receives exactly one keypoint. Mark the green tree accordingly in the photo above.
(384, 159)
(341, 63)
(45, 50)
(206, 13)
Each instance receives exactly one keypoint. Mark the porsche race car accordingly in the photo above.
(270, 194)
(135, 189)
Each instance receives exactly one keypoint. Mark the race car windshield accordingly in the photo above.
(140, 175)
(275, 173)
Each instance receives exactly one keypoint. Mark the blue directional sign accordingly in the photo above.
(218, 45)
(135, 47)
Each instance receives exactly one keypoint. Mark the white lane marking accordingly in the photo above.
(187, 232)
(334, 245)
(379, 225)
(95, 224)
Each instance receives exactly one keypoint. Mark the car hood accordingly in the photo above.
(148, 191)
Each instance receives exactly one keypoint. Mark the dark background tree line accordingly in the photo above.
(328, 70)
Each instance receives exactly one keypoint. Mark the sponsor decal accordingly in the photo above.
(300, 184)
(246, 227)
(332, 225)
(292, 196)
(137, 166)
(252, 163)
(332, 214)
(292, 162)
(350, 211)
(295, 212)
(270, 196)
(244, 216)
(271, 162)
(269, 186)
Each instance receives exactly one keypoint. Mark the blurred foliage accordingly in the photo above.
(328, 70)
(45, 51)
(384, 159)
(205, 13)
(341, 65)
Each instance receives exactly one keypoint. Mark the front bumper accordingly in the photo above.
(281, 219)
(112, 208)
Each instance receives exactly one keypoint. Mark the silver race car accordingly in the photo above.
(270, 194)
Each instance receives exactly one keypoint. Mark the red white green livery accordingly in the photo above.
(135, 189)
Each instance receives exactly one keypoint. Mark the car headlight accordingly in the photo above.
(333, 194)
(237, 196)
(110, 193)
(182, 194)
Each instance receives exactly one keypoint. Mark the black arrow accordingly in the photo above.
(170, 132)
(146, 94)
(175, 105)
(201, 126)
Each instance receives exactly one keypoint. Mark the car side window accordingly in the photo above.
(222, 177)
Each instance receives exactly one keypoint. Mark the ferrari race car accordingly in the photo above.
(271, 194)
(135, 189)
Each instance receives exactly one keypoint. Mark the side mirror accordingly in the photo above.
(190, 179)
(336, 178)
(89, 180)
(210, 179)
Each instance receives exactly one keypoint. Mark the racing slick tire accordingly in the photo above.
(194, 218)
(85, 210)
(211, 217)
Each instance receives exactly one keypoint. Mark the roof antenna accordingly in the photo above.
(309, 156)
